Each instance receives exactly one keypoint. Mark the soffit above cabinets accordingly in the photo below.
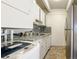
(42, 5)
(48, 5)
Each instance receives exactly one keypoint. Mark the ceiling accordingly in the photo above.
(48, 5)
(59, 4)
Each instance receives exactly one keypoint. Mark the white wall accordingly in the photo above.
(56, 19)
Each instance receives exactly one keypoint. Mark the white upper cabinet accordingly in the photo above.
(35, 10)
(3, 15)
(18, 19)
(24, 5)
(14, 18)
(19, 13)
(42, 17)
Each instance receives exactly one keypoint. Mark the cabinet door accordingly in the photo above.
(24, 5)
(28, 6)
(3, 15)
(43, 17)
(13, 16)
(35, 10)
(44, 46)
(18, 19)
(48, 42)
(41, 49)
(32, 53)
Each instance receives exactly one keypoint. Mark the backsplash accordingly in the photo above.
(41, 28)
(13, 35)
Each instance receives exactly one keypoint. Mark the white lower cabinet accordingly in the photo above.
(31, 54)
(37, 52)
(44, 46)
(48, 42)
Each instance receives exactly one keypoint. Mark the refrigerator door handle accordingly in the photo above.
(68, 29)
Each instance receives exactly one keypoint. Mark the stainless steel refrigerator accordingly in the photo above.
(75, 31)
(71, 33)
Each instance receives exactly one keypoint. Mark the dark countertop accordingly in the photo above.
(33, 38)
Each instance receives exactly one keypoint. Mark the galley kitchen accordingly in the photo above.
(38, 29)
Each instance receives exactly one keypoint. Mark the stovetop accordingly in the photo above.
(13, 48)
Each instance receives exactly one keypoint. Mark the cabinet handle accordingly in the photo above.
(26, 48)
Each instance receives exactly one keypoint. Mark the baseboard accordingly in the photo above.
(57, 46)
